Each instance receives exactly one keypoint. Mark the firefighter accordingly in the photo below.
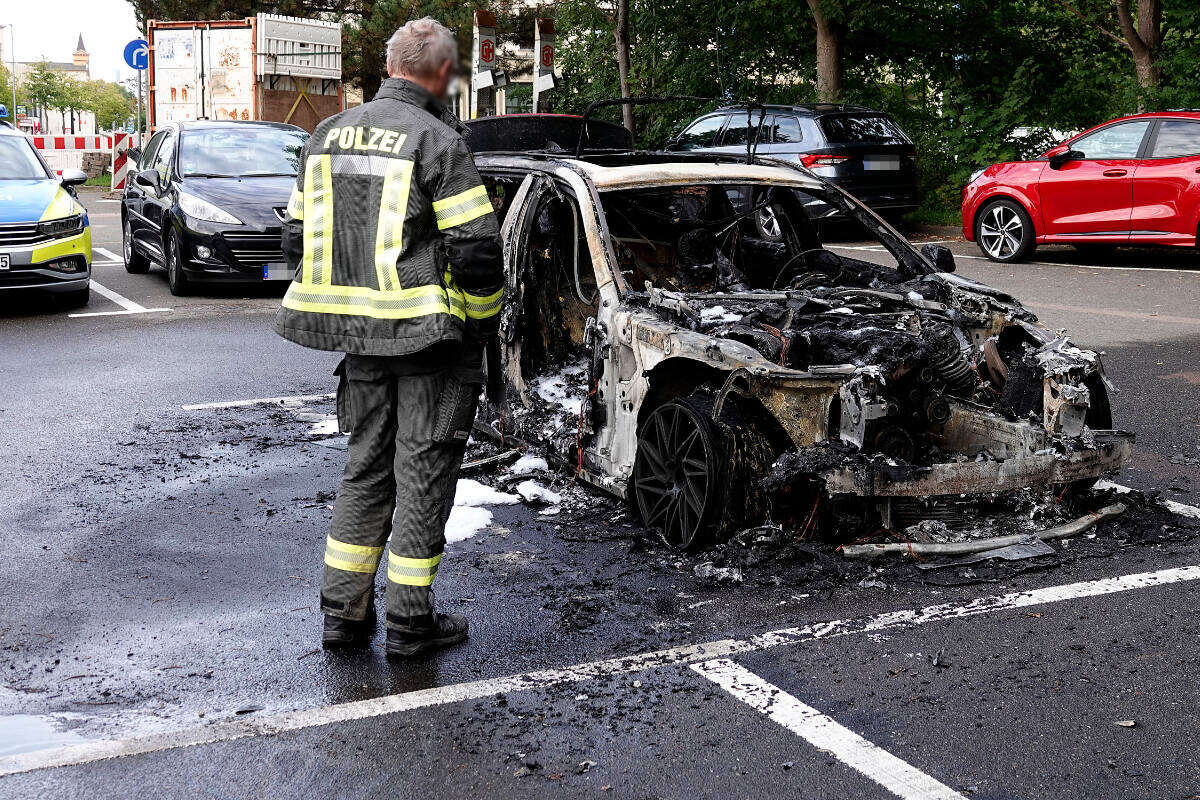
(398, 265)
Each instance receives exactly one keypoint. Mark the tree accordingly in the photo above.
(1139, 29)
(621, 35)
(829, 49)
(112, 105)
(43, 88)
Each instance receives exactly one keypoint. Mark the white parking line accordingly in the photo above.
(124, 302)
(294, 399)
(240, 728)
(825, 733)
(877, 249)
(1175, 507)
(109, 254)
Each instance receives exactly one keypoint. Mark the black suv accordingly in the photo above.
(206, 201)
(863, 151)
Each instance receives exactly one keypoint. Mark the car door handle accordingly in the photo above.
(1114, 173)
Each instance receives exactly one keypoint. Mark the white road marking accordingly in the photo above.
(877, 249)
(109, 254)
(294, 399)
(1085, 266)
(115, 313)
(124, 302)
(239, 728)
(1175, 507)
(825, 733)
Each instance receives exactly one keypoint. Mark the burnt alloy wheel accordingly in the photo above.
(677, 481)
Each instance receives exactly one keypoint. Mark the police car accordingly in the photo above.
(45, 240)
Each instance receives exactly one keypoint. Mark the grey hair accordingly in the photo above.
(420, 47)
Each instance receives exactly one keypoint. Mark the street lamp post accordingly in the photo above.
(13, 75)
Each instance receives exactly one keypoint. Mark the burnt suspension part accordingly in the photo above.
(947, 360)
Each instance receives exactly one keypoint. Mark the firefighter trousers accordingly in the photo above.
(408, 433)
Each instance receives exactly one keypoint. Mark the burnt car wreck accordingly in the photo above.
(676, 332)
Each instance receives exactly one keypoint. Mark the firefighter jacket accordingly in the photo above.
(390, 231)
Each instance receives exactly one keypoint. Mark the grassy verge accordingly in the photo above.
(104, 179)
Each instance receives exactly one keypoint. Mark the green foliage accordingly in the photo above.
(42, 87)
(971, 81)
(113, 105)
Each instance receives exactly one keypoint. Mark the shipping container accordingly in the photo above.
(269, 67)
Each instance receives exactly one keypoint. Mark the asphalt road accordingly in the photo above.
(158, 635)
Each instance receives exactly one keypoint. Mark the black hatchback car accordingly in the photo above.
(862, 151)
(207, 201)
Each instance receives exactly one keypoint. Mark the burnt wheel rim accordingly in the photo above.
(674, 474)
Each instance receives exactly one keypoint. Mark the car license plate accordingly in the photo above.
(4, 261)
(277, 272)
(881, 163)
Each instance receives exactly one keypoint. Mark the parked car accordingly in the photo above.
(862, 151)
(659, 348)
(207, 202)
(1131, 181)
(45, 238)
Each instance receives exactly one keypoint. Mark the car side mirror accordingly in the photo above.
(1058, 160)
(148, 179)
(940, 256)
(73, 177)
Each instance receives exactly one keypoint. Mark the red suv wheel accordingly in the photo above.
(1004, 231)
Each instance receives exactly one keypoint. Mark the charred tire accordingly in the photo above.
(1004, 231)
(677, 484)
(176, 280)
(135, 262)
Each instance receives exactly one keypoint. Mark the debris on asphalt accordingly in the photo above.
(718, 574)
(921, 549)
(1126, 723)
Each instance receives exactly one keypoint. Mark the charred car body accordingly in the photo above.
(665, 347)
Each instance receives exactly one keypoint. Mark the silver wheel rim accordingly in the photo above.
(127, 245)
(768, 223)
(1001, 232)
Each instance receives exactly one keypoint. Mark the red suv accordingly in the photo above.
(1134, 180)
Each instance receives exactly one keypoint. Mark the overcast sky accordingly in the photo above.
(50, 28)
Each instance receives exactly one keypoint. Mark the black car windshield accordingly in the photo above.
(862, 128)
(241, 152)
(18, 162)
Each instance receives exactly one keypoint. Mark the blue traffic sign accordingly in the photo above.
(137, 54)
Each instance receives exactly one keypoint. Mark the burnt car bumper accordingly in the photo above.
(877, 478)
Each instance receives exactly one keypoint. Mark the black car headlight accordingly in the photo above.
(57, 228)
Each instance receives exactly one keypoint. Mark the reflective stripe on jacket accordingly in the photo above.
(390, 230)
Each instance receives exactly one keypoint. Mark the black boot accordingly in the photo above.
(340, 632)
(408, 636)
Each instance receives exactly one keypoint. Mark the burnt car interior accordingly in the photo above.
(724, 238)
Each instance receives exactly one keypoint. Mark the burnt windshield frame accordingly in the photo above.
(909, 261)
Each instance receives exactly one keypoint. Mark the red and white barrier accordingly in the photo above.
(120, 162)
(66, 152)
